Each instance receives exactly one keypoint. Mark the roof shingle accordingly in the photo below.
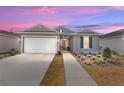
(39, 28)
(87, 31)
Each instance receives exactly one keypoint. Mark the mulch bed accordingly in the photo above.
(55, 76)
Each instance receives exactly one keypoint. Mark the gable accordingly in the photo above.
(65, 31)
(85, 32)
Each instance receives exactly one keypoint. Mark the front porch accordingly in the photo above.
(64, 43)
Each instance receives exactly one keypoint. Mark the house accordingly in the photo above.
(114, 41)
(8, 40)
(41, 39)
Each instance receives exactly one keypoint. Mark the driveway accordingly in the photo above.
(24, 69)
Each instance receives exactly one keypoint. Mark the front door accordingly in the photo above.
(64, 43)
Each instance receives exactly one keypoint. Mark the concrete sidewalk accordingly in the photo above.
(76, 75)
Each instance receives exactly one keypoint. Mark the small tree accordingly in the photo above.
(107, 53)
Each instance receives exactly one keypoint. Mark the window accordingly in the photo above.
(86, 41)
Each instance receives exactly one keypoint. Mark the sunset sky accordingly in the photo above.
(99, 19)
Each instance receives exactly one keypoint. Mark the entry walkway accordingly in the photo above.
(76, 75)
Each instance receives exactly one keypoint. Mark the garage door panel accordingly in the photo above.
(40, 45)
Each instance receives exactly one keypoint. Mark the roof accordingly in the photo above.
(7, 33)
(39, 28)
(115, 33)
(38, 33)
(65, 30)
(86, 31)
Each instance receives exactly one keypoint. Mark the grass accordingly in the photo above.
(55, 76)
(108, 75)
(120, 57)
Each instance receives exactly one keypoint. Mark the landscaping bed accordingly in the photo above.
(55, 76)
(9, 53)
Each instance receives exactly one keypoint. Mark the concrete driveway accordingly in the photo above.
(24, 69)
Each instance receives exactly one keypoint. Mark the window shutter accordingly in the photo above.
(90, 41)
(81, 42)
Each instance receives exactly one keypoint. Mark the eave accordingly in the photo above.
(38, 33)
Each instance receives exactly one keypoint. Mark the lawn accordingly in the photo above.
(55, 76)
(120, 57)
(106, 75)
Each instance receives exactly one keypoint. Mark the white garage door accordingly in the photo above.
(40, 45)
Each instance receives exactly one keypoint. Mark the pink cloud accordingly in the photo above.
(21, 26)
(117, 7)
(87, 10)
(53, 10)
(92, 9)
(64, 10)
(44, 9)
(109, 28)
(16, 26)
(102, 28)
(30, 10)
(54, 23)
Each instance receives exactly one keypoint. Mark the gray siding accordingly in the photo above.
(71, 43)
(8, 42)
(76, 44)
(115, 43)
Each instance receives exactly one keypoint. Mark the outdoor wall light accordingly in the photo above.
(64, 39)
(60, 31)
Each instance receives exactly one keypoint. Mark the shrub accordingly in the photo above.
(94, 54)
(93, 59)
(82, 52)
(90, 53)
(107, 53)
(68, 48)
(99, 53)
(12, 52)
